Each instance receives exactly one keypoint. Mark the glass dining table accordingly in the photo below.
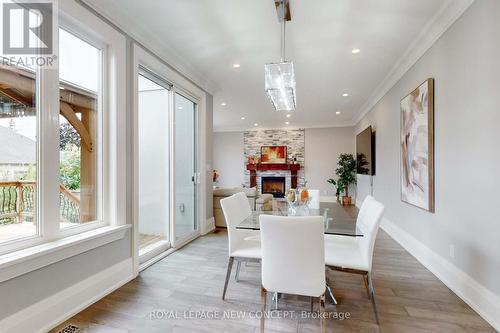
(338, 219)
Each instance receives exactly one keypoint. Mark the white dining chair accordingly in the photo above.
(293, 257)
(246, 210)
(355, 254)
(243, 247)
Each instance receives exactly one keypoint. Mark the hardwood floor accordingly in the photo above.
(410, 298)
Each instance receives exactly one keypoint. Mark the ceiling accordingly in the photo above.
(204, 38)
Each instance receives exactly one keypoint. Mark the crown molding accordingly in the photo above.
(225, 129)
(449, 12)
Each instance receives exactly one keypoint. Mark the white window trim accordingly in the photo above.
(24, 261)
(53, 244)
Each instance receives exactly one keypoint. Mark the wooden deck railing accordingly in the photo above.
(69, 205)
(17, 202)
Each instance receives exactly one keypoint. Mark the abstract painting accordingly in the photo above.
(273, 154)
(417, 147)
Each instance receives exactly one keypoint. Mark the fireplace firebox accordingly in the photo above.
(274, 186)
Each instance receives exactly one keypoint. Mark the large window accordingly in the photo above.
(79, 72)
(33, 102)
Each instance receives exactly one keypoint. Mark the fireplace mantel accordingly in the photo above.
(253, 168)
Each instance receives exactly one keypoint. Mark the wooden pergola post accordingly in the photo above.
(88, 170)
(19, 202)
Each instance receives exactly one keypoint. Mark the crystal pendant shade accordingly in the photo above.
(280, 85)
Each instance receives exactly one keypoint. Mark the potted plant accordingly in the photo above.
(346, 175)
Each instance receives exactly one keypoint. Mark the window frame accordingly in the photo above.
(111, 137)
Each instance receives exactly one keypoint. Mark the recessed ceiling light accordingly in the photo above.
(287, 123)
(345, 94)
(355, 51)
(236, 66)
(223, 104)
(288, 115)
(338, 112)
(180, 107)
(242, 118)
(256, 124)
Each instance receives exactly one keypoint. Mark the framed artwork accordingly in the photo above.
(273, 154)
(417, 147)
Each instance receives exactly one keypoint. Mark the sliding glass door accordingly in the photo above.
(185, 174)
(166, 173)
(153, 165)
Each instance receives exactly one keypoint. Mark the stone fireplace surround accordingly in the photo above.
(294, 139)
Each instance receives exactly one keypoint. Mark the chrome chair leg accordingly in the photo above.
(328, 292)
(275, 298)
(228, 275)
(329, 295)
(237, 275)
(372, 294)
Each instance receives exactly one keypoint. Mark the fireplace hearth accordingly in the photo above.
(274, 186)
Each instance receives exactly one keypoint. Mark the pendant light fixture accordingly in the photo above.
(280, 77)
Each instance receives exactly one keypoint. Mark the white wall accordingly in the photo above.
(465, 63)
(228, 158)
(323, 146)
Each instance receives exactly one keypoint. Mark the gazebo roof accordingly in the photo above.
(16, 148)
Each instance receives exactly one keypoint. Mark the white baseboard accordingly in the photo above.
(52, 311)
(209, 226)
(479, 298)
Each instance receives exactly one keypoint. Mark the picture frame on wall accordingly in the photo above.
(417, 147)
(273, 154)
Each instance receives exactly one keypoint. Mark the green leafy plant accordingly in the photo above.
(68, 135)
(346, 174)
(69, 169)
(30, 173)
(334, 183)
